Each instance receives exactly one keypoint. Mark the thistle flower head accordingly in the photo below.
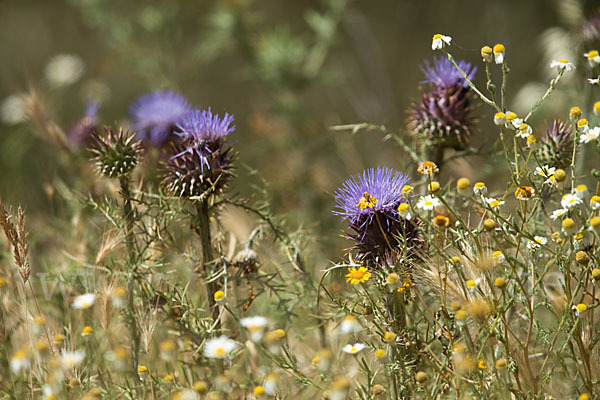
(116, 153)
(202, 163)
(155, 116)
(444, 114)
(443, 75)
(369, 202)
(557, 146)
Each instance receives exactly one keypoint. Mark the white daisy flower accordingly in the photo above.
(350, 325)
(546, 172)
(353, 348)
(84, 301)
(498, 257)
(19, 362)
(590, 135)
(493, 203)
(440, 41)
(64, 70)
(570, 200)
(557, 214)
(219, 347)
(581, 191)
(524, 131)
(562, 64)
(428, 203)
(594, 81)
(404, 211)
(499, 53)
(536, 243)
(270, 384)
(48, 392)
(480, 189)
(595, 203)
(71, 359)
(499, 118)
(593, 57)
(256, 326)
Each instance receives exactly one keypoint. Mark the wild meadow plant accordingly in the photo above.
(448, 288)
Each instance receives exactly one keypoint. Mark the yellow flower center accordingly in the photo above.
(575, 112)
(406, 189)
(437, 36)
(499, 48)
(563, 61)
(220, 351)
(219, 295)
(496, 254)
(592, 54)
(581, 307)
(499, 115)
(366, 201)
(582, 122)
(402, 207)
(510, 116)
(494, 203)
(597, 107)
(523, 127)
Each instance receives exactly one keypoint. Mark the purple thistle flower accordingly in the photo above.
(444, 117)
(201, 163)
(369, 203)
(203, 132)
(443, 75)
(203, 126)
(590, 30)
(80, 133)
(155, 116)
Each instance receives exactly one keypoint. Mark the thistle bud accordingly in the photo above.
(116, 154)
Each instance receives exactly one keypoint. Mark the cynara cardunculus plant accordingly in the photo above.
(201, 163)
(556, 148)
(444, 117)
(369, 203)
(156, 115)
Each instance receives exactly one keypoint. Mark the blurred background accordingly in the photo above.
(287, 70)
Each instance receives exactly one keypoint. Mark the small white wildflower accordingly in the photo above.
(15, 109)
(498, 51)
(556, 214)
(256, 326)
(562, 64)
(440, 41)
(219, 347)
(593, 57)
(499, 118)
(590, 136)
(536, 243)
(480, 189)
(570, 200)
(428, 203)
(19, 362)
(84, 301)
(498, 257)
(350, 325)
(64, 70)
(581, 191)
(48, 392)
(71, 359)
(494, 203)
(595, 203)
(353, 348)
(524, 131)
(546, 172)
(594, 81)
(270, 384)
